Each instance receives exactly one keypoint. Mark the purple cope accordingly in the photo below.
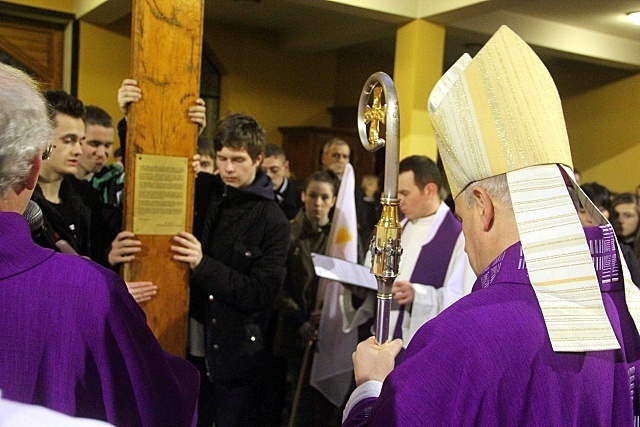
(72, 339)
(487, 360)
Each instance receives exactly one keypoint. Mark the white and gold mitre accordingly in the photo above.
(500, 113)
(507, 113)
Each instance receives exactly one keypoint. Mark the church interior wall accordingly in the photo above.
(619, 173)
(103, 62)
(294, 89)
(277, 88)
(66, 6)
(603, 131)
(354, 66)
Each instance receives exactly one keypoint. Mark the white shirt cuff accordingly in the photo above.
(366, 390)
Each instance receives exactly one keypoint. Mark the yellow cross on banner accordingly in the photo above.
(343, 235)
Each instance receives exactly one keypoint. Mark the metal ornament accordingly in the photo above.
(385, 245)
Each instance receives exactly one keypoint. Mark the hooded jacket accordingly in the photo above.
(244, 236)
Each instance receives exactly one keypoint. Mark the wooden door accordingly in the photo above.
(35, 47)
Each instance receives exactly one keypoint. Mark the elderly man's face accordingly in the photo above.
(336, 158)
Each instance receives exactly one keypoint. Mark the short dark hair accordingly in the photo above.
(240, 132)
(624, 198)
(205, 147)
(323, 176)
(273, 150)
(94, 115)
(59, 101)
(599, 194)
(424, 170)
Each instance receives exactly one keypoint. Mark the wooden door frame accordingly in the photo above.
(48, 18)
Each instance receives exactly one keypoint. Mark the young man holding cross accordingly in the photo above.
(237, 255)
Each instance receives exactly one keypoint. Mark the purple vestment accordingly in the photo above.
(72, 339)
(433, 262)
(487, 360)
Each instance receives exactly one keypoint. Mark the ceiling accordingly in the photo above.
(584, 44)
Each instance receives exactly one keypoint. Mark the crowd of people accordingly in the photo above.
(514, 307)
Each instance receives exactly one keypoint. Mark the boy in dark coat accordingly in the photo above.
(236, 273)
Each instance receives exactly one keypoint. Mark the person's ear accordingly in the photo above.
(286, 165)
(431, 188)
(333, 201)
(32, 178)
(303, 197)
(325, 160)
(258, 161)
(484, 207)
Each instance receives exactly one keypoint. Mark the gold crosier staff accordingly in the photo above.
(385, 245)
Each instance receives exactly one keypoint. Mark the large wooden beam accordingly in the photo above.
(165, 60)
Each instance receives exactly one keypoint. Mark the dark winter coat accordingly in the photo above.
(244, 236)
(289, 199)
(298, 296)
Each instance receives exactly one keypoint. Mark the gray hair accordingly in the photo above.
(496, 186)
(334, 141)
(25, 129)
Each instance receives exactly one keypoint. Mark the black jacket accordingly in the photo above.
(77, 232)
(632, 262)
(244, 237)
(106, 222)
(298, 296)
(291, 201)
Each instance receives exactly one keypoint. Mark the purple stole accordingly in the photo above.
(510, 267)
(432, 263)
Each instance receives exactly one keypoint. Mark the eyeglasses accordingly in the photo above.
(340, 156)
(47, 152)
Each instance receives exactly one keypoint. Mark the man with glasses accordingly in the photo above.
(71, 338)
(335, 156)
(66, 217)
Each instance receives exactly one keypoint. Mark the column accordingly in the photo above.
(418, 66)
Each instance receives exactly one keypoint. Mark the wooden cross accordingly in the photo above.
(165, 60)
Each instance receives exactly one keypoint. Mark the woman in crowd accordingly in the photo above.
(626, 220)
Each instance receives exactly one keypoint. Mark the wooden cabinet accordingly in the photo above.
(303, 147)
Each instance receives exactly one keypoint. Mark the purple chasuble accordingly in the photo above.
(432, 264)
(487, 360)
(72, 339)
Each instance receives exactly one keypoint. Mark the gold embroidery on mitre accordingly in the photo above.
(500, 113)
(497, 113)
